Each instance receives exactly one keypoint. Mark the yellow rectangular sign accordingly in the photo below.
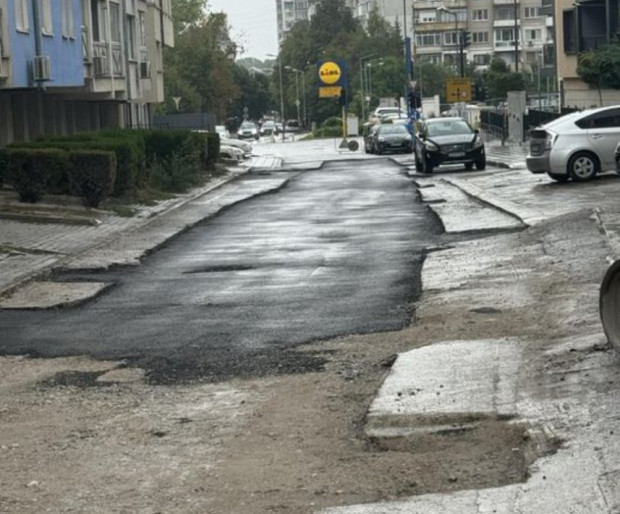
(329, 91)
(458, 90)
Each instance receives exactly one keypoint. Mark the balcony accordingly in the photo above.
(510, 22)
(106, 64)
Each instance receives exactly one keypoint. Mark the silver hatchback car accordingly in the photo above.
(576, 146)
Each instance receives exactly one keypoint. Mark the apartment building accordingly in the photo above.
(518, 31)
(394, 11)
(580, 27)
(290, 12)
(77, 65)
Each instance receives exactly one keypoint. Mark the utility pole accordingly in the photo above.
(516, 5)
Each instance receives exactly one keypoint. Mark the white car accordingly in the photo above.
(244, 146)
(576, 146)
(387, 112)
(231, 153)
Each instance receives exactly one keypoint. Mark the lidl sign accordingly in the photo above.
(332, 75)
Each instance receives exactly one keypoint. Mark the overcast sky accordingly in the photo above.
(253, 24)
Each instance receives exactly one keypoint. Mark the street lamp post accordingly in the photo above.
(297, 102)
(459, 48)
(362, 82)
(281, 94)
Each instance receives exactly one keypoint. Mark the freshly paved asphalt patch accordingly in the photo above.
(336, 251)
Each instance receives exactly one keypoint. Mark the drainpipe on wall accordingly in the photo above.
(109, 31)
(38, 44)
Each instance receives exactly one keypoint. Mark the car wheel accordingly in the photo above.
(427, 166)
(582, 166)
(558, 177)
(469, 166)
(481, 164)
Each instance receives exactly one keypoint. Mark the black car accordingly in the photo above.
(448, 141)
(391, 137)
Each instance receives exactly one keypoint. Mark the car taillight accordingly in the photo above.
(550, 141)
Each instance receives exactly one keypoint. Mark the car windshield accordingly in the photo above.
(448, 128)
(393, 129)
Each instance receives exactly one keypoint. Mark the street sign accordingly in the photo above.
(332, 75)
(458, 90)
(330, 91)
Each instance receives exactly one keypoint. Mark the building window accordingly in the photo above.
(504, 13)
(504, 37)
(98, 12)
(450, 38)
(142, 19)
(46, 14)
(429, 39)
(428, 16)
(480, 37)
(131, 37)
(115, 23)
(569, 22)
(482, 59)
(21, 15)
(68, 25)
(531, 12)
(532, 35)
(458, 14)
(480, 14)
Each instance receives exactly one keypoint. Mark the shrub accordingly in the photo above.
(127, 150)
(208, 146)
(328, 132)
(30, 171)
(334, 121)
(179, 171)
(92, 175)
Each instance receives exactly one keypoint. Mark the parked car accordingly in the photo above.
(391, 137)
(231, 153)
(248, 130)
(387, 112)
(279, 128)
(292, 126)
(448, 141)
(576, 146)
(268, 128)
(222, 131)
(368, 132)
(244, 146)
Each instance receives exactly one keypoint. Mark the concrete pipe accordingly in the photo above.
(609, 304)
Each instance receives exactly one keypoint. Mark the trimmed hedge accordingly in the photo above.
(125, 150)
(92, 175)
(30, 171)
(168, 159)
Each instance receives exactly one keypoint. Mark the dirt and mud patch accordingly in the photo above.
(292, 443)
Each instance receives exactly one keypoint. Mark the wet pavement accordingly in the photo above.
(336, 251)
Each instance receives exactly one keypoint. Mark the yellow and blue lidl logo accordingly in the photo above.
(330, 73)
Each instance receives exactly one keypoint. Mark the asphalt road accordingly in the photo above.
(336, 251)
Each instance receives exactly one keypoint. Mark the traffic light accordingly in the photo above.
(466, 38)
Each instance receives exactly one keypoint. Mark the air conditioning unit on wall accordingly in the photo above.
(41, 68)
(100, 65)
(145, 70)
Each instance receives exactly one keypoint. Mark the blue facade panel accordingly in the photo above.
(65, 53)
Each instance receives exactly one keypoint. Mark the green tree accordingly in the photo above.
(601, 67)
(498, 79)
(433, 77)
